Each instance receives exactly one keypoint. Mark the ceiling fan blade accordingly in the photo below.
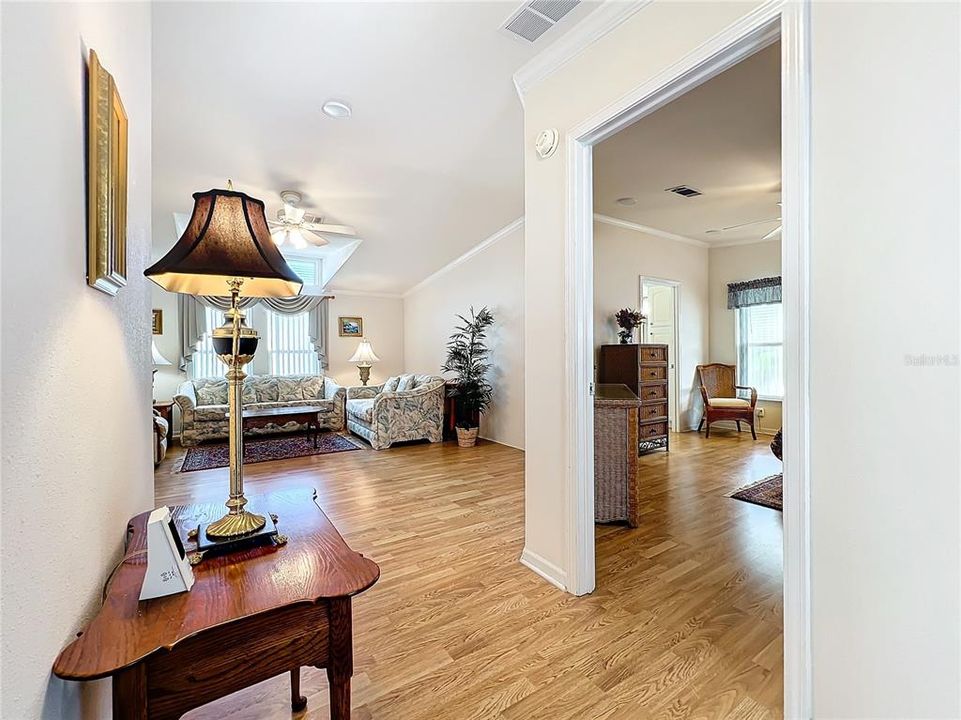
(332, 229)
(771, 234)
(315, 238)
(748, 224)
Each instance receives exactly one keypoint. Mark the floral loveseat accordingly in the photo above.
(409, 407)
(203, 403)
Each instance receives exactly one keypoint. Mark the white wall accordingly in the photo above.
(734, 264)
(621, 256)
(884, 443)
(383, 327)
(77, 439)
(884, 433)
(493, 277)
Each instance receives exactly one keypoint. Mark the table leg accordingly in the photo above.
(340, 658)
(297, 701)
(130, 694)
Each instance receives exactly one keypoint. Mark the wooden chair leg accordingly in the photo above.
(700, 424)
(738, 425)
(708, 434)
(297, 701)
(753, 431)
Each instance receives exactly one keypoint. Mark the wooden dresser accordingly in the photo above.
(643, 368)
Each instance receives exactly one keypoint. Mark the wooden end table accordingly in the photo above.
(250, 616)
(261, 417)
(166, 410)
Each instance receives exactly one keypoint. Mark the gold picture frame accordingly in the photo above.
(350, 327)
(106, 181)
(157, 322)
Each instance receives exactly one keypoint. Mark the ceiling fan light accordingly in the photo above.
(279, 237)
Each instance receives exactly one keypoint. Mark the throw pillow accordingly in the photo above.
(406, 383)
(289, 388)
(391, 384)
(212, 392)
(313, 387)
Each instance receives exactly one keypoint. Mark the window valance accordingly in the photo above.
(763, 291)
(193, 323)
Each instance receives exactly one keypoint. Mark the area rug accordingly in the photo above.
(205, 457)
(766, 492)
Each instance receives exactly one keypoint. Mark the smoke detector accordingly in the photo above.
(536, 17)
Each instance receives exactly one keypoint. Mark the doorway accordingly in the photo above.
(759, 29)
(661, 309)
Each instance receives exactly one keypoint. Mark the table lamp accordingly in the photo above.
(227, 249)
(158, 359)
(364, 357)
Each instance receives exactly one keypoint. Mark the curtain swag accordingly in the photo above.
(193, 322)
(763, 291)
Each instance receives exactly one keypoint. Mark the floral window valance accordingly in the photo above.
(763, 291)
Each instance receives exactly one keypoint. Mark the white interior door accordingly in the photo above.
(659, 304)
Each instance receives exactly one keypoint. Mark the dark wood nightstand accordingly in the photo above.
(166, 410)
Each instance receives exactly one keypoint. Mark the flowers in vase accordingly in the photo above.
(628, 320)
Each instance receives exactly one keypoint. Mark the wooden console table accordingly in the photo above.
(250, 616)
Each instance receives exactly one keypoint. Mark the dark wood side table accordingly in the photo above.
(306, 415)
(166, 410)
(250, 616)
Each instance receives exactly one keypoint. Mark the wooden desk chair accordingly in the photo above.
(719, 392)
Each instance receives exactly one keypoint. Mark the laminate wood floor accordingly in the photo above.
(685, 622)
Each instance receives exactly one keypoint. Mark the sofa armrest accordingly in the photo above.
(362, 392)
(418, 396)
(186, 397)
(333, 391)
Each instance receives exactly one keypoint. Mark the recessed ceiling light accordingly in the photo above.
(628, 201)
(337, 109)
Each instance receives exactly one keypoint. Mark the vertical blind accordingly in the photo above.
(288, 345)
(760, 342)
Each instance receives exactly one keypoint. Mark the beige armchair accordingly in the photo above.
(719, 393)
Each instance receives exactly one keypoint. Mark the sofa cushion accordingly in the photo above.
(406, 383)
(250, 396)
(210, 413)
(728, 403)
(289, 388)
(211, 391)
(392, 382)
(362, 410)
(266, 389)
(313, 386)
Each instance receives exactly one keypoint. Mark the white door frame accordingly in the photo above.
(790, 22)
(674, 417)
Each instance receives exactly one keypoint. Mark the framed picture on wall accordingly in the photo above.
(351, 326)
(157, 323)
(106, 181)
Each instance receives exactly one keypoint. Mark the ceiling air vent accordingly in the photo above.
(534, 18)
(684, 191)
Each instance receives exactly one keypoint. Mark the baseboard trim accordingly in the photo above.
(501, 442)
(547, 570)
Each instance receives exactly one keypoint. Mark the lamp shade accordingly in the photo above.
(227, 237)
(158, 359)
(364, 354)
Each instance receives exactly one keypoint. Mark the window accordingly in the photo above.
(307, 269)
(288, 345)
(760, 349)
(204, 362)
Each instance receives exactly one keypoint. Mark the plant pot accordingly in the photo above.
(467, 437)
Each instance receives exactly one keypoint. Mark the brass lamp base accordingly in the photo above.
(235, 525)
(364, 373)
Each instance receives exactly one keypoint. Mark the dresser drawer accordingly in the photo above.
(653, 372)
(653, 354)
(653, 411)
(655, 429)
(653, 392)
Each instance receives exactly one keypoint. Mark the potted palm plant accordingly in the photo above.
(467, 358)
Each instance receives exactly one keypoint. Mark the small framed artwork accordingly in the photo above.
(106, 181)
(351, 326)
(157, 324)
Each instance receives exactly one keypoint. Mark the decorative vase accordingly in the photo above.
(467, 437)
(626, 336)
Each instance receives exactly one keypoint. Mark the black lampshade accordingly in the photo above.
(227, 237)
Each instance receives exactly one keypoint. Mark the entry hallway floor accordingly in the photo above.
(685, 621)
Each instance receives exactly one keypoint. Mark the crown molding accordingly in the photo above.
(647, 230)
(481, 246)
(364, 293)
(575, 41)
(732, 243)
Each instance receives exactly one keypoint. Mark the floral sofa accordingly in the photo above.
(409, 407)
(203, 403)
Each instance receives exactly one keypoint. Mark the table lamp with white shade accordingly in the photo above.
(158, 359)
(364, 357)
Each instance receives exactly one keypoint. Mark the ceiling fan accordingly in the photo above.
(299, 228)
(771, 234)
